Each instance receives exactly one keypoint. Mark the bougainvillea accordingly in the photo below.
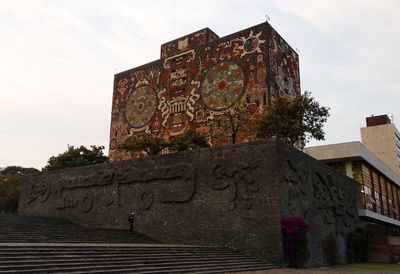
(295, 241)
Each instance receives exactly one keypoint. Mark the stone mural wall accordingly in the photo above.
(234, 196)
(199, 78)
(328, 200)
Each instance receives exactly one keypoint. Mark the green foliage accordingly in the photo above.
(330, 248)
(154, 145)
(9, 194)
(18, 170)
(187, 141)
(294, 120)
(357, 245)
(9, 186)
(233, 120)
(75, 157)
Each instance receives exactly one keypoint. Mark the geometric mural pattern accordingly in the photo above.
(199, 78)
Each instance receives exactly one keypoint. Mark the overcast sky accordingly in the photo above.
(58, 60)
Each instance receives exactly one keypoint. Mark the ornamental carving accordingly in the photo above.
(141, 187)
(237, 181)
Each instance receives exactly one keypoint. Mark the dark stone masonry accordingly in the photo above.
(234, 196)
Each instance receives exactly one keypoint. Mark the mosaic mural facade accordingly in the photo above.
(200, 77)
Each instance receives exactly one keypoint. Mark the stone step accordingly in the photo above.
(108, 246)
(133, 251)
(201, 269)
(20, 257)
(198, 270)
(137, 262)
(86, 259)
(16, 228)
(45, 245)
(139, 268)
(106, 252)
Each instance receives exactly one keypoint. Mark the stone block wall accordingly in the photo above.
(327, 199)
(232, 196)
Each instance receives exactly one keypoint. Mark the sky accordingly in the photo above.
(58, 59)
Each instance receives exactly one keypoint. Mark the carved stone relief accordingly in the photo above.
(39, 191)
(297, 180)
(237, 180)
(334, 200)
(163, 184)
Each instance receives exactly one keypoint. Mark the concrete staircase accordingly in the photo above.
(15, 228)
(47, 245)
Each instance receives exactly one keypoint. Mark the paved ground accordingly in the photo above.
(345, 269)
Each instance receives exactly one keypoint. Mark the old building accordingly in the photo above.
(197, 80)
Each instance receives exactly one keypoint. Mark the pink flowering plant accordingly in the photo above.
(295, 240)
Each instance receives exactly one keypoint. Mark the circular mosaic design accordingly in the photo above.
(222, 86)
(141, 105)
(251, 44)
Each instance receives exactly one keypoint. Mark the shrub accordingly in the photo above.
(295, 241)
(153, 145)
(9, 194)
(76, 157)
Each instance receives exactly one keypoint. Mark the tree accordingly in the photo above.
(151, 145)
(154, 145)
(295, 120)
(18, 170)
(9, 194)
(9, 186)
(232, 121)
(187, 141)
(75, 157)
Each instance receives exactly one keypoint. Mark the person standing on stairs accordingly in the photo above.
(131, 220)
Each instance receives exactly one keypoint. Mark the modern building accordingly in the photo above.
(382, 138)
(379, 182)
(198, 79)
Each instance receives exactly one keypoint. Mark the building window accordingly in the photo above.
(368, 199)
(398, 147)
(378, 202)
(384, 206)
(391, 213)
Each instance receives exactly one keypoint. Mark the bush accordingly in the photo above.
(9, 194)
(330, 248)
(187, 141)
(76, 157)
(9, 184)
(153, 145)
(295, 241)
